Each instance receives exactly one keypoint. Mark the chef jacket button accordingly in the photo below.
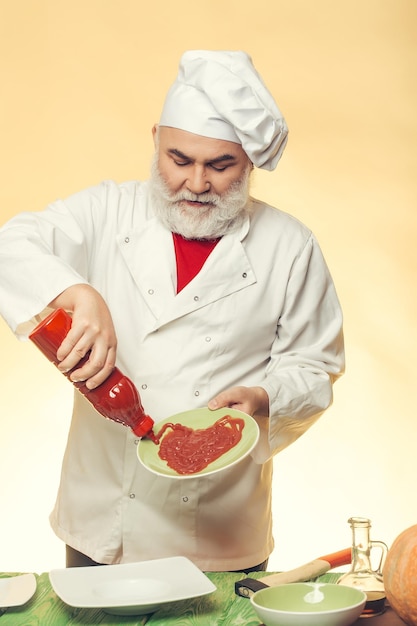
(144, 386)
(185, 499)
(196, 298)
(244, 275)
(132, 496)
(127, 239)
(151, 292)
(196, 393)
(136, 441)
(208, 339)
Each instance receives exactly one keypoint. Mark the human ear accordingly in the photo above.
(155, 133)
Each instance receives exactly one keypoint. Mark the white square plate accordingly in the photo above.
(131, 588)
(16, 590)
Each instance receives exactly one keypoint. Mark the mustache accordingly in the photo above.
(205, 197)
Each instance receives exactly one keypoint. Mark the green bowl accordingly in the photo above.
(308, 604)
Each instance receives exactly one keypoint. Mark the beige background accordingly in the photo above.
(82, 82)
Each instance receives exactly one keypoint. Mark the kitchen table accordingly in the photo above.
(221, 608)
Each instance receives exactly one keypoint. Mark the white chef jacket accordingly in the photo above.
(262, 311)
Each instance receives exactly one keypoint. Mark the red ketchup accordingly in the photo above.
(116, 398)
(188, 451)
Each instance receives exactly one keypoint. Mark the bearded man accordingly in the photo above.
(203, 296)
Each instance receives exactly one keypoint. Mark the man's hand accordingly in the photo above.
(91, 331)
(250, 400)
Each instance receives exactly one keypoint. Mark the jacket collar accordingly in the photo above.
(149, 255)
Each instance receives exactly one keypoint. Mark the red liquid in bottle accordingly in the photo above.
(116, 398)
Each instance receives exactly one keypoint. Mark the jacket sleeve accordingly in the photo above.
(307, 355)
(42, 254)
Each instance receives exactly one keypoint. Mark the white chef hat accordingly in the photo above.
(220, 94)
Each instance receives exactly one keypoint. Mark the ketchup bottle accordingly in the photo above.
(116, 398)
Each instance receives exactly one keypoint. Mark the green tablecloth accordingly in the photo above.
(221, 608)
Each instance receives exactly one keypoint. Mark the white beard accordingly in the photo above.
(223, 213)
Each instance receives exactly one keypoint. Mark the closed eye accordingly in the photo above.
(219, 168)
(181, 163)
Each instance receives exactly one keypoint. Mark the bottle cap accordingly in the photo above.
(144, 426)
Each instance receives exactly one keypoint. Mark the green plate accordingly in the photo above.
(200, 418)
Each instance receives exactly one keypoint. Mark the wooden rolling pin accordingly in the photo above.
(247, 586)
